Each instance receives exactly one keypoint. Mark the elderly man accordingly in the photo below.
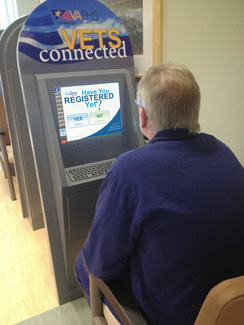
(170, 215)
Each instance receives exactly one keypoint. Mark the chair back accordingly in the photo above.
(6, 157)
(3, 121)
(224, 304)
(120, 299)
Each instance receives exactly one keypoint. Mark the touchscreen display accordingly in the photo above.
(88, 111)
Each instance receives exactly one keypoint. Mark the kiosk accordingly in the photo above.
(77, 73)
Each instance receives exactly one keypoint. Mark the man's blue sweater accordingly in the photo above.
(170, 220)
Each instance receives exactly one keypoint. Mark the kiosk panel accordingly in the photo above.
(88, 118)
(78, 80)
(94, 114)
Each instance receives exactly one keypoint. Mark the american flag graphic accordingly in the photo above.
(64, 14)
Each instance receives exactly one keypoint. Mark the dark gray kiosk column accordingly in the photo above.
(78, 80)
(18, 127)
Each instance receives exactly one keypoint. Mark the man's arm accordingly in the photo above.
(114, 232)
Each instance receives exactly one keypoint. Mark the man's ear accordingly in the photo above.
(143, 118)
(146, 126)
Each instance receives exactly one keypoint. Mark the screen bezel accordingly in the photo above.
(98, 148)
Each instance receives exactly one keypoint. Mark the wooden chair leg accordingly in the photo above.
(7, 168)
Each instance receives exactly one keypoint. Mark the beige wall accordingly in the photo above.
(25, 7)
(208, 37)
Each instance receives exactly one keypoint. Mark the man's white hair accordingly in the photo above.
(171, 97)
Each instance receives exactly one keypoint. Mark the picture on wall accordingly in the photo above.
(130, 13)
(143, 22)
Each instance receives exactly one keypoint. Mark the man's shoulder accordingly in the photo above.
(211, 140)
(128, 162)
(128, 157)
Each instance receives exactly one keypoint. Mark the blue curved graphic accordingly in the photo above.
(40, 21)
(52, 38)
(56, 25)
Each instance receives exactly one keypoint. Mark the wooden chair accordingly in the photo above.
(224, 305)
(6, 159)
(6, 153)
(119, 298)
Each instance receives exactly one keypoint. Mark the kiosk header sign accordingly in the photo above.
(63, 32)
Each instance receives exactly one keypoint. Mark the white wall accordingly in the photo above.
(25, 7)
(208, 37)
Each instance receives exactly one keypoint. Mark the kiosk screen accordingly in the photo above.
(88, 111)
(92, 114)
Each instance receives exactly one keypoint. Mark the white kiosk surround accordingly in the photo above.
(77, 74)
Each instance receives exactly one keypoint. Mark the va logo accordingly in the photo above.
(66, 14)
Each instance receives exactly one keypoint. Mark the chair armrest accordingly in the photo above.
(120, 299)
(2, 132)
